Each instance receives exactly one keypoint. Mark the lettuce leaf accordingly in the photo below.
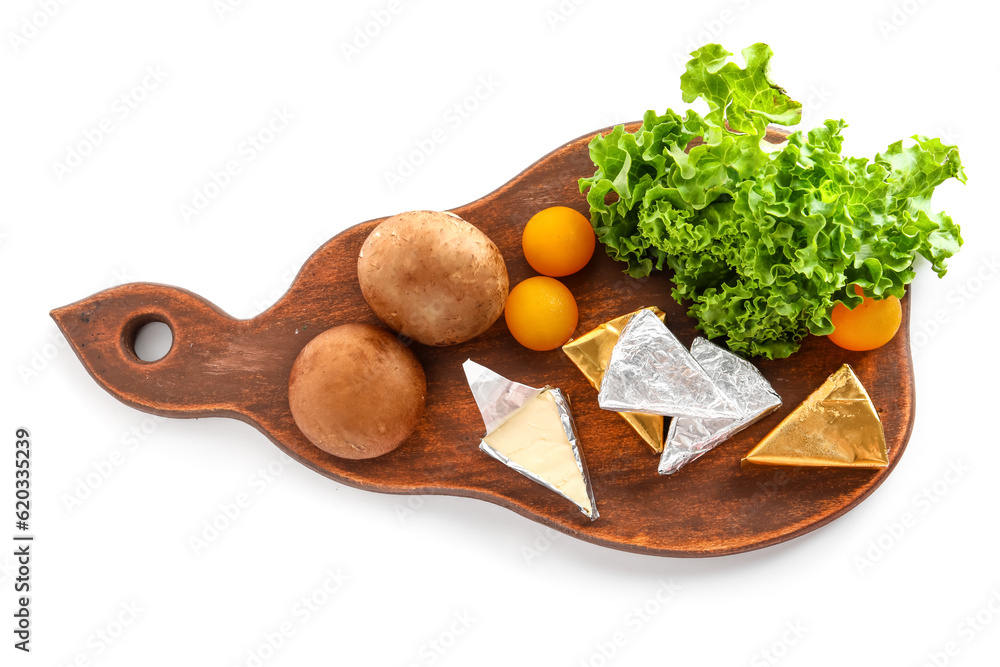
(763, 241)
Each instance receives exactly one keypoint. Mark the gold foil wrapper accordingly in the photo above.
(836, 426)
(591, 353)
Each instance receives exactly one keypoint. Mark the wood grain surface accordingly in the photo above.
(220, 366)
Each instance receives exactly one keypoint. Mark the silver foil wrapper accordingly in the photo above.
(499, 398)
(651, 372)
(496, 397)
(748, 390)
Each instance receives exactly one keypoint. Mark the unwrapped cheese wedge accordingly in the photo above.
(531, 430)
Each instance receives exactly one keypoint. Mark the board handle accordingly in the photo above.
(209, 370)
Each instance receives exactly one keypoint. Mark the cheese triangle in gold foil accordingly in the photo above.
(836, 426)
(591, 353)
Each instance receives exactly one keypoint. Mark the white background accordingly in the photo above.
(859, 590)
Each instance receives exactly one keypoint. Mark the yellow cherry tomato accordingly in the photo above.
(558, 241)
(870, 325)
(541, 313)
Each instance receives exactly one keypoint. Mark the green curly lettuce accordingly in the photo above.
(763, 241)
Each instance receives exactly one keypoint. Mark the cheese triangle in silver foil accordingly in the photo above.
(651, 372)
(688, 437)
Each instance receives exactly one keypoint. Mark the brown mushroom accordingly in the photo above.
(433, 277)
(356, 391)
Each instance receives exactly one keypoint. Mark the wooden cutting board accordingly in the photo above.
(222, 367)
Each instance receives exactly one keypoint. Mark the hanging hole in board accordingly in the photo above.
(148, 339)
